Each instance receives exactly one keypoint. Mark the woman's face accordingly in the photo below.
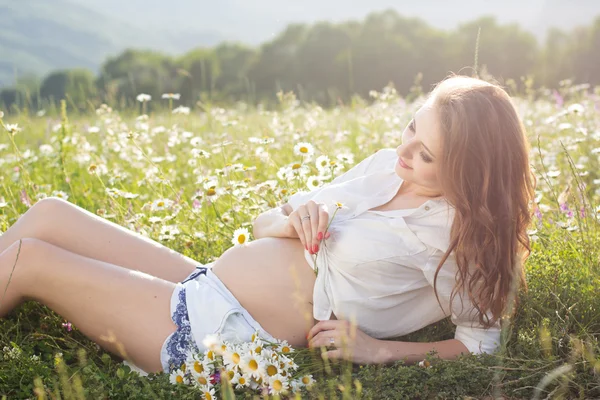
(421, 151)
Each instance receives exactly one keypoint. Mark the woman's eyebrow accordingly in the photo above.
(423, 144)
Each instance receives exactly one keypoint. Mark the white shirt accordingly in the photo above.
(377, 267)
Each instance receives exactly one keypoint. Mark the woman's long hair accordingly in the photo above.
(486, 176)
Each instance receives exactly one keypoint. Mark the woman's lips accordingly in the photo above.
(403, 164)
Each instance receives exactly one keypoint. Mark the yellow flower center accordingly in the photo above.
(160, 203)
(284, 191)
(271, 370)
(253, 337)
(230, 374)
(296, 166)
(183, 367)
(198, 367)
(285, 349)
(305, 380)
(253, 365)
(207, 396)
(210, 355)
(179, 379)
(202, 380)
(303, 149)
(211, 192)
(277, 385)
(242, 380)
(242, 239)
(258, 349)
(236, 358)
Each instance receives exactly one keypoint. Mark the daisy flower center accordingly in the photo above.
(253, 365)
(277, 385)
(179, 379)
(236, 358)
(271, 370)
(242, 239)
(202, 380)
(198, 367)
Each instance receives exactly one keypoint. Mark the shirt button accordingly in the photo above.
(427, 208)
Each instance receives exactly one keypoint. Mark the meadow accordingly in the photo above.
(190, 178)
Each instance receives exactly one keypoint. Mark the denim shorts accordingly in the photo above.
(202, 305)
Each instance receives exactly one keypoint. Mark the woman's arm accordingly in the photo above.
(388, 351)
(271, 222)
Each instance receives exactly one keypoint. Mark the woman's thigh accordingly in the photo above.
(75, 229)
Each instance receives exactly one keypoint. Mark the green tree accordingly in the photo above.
(76, 85)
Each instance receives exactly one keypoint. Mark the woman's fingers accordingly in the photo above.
(306, 226)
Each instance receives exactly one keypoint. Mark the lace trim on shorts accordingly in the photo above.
(181, 341)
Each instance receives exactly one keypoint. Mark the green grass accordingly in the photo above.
(552, 350)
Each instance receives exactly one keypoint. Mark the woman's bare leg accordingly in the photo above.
(103, 300)
(66, 225)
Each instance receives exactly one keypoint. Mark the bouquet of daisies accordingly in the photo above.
(260, 365)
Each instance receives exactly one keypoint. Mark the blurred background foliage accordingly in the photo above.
(324, 62)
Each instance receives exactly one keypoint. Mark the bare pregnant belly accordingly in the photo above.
(273, 281)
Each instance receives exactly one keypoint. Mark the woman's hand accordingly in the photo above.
(349, 342)
(311, 230)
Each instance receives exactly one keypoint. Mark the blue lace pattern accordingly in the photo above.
(181, 341)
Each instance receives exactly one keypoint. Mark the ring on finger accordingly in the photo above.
(305, 217)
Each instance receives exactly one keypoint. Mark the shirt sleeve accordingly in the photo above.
(469, 331)
(362, 168)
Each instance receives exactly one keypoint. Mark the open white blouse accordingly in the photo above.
(377, 267)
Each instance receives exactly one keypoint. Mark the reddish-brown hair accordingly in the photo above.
(486, 176)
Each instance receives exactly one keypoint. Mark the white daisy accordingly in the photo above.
(346, 158)
(241, 236)
(278, 384)
(304, 149)
(208, 393)
(313, 182)
(201, 379)
(197, 364)
(178, 377)
(171, 96)
(232, 357)
(142, 97)
(253, 365)
(240, 380)
(322, 163)
(307, 380)
(284, 347)
(161, 204)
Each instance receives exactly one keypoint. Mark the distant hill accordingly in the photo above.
(38, 36)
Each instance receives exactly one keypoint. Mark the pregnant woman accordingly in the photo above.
(433, 228)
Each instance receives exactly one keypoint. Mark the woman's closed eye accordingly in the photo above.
(423, 155)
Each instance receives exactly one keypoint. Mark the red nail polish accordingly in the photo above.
(320, 236)
(316, 248)
(327, 235)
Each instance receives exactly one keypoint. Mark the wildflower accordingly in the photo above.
(178, 377)
(347, 158)
(240, 380)
(232, 358)
(253, 365)
(322, 163)
(201, 379)
(424, 364)
(240, 237)
(68, 326)
(208, 393)
(304, 149)
(307, 380)
(161, 204)
(12, 128)
(171, 96)
(284, 347)
(142, 98)
(182, 110)
(278, 384)
(576, 108)
(313, 182)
